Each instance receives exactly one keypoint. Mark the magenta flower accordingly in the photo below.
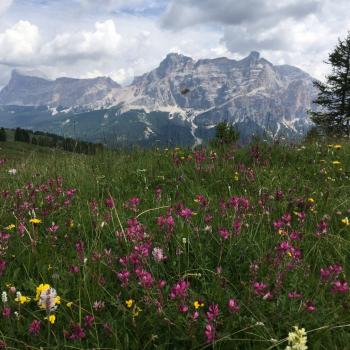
(340, 287)
(123, 277)
(53, 228)
(142, 250)
(224, 233)
(145, 278)
(35, 327)
(109, 202)
(76, 332)
(209, 332)
(310, 306)
(294, 295)
(287, 218)
(2, 266)
(179, 290)
(259, 288)
(237, 225)
(322, 228)
(186, 213)
(161, 284)
(89, 321)
(183, 309)
(233, 305)
(6, 312)
(213, 312)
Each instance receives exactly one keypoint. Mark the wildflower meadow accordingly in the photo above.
(212, 248)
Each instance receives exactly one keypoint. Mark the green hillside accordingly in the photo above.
(225, 248)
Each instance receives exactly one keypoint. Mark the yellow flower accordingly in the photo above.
(136, 311)
(70, 304)
(337, 146)
(10, 227)
(236, 177)
(311, 200)
(129, 303)
(35, 221)
(346, 221)
(336, 162)
(198, 304)
(51, 319)
(23, 299)
(41, 288)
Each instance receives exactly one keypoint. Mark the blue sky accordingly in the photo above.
(124, 38)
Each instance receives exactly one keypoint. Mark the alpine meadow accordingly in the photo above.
(166, 186)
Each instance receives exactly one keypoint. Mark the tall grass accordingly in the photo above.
(254, 225)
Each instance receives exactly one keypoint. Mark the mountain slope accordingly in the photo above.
(252, 93)
(26, 90)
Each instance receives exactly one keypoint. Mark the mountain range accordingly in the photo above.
(177, 103)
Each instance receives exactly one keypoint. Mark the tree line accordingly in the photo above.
(45, 139)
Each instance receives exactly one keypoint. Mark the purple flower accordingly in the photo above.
(6, 312)
(233, 305)
(2, 267)
(224, 233)
(310, 306)
(340, 287)
(179, 290)
(213, 312)
(186, 213)
(294, 295)
(34, 327)
(76, 332)
(110, 202)
(89, 321)
(209, 332)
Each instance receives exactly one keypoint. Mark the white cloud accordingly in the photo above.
(103, 41)
(19, 43)
(116, 38)
(5, 5)
(134, 6)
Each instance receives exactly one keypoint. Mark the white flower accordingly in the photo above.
(48, 299)
(12, 171)
(158, 254)
(4, 297)
(184, 240)
(297, 339)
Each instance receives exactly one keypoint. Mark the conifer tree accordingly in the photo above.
(2, 135)
(333, 97)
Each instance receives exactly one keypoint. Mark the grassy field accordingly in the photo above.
(175, 249)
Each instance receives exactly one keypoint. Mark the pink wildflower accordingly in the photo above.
(209, 332)
(179, 290)
(35, 327)
(233, 305)
(340, 287)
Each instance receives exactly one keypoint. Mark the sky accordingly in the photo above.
(126, 38)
